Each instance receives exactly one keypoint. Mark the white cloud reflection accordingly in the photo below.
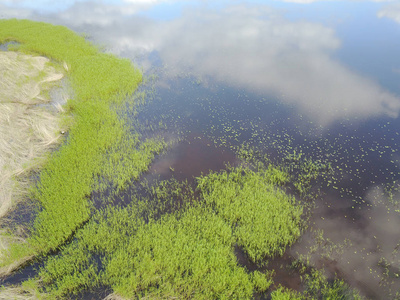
(8, 12)
(391, 12)
(292, 60)
(312, 1)
(100, 15)
(374, 238)
(247, 46)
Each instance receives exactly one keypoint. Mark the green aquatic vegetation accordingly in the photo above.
(125, 161)
(99, 145)
(286, 294)
(325, 247)
(246, 153)
(188, 257)
(94, 75)
(264, 218)
(261, 281)
(305, 171)
(27, 291)
(170, 196)
(118, 168)
(301, 171)
(317, 286)
(187, 254)
(390, 267)
(78, 266)
(391, 191)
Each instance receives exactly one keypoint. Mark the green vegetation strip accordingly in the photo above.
(99, 145)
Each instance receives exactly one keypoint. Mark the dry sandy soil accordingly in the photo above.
(29, 122)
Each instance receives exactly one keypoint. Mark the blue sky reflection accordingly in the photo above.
(311, 65)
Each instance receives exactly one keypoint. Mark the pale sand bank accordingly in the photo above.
(28, 127)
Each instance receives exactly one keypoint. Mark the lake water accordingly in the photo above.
(319, 77)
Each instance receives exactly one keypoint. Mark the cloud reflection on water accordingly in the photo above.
(372, 233)
(246, 46)
(258, 50)
(391, 12)
(312, 1)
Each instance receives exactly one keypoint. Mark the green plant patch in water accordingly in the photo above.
(78, 266)
(186, 257)
(187, 253)
(265, 220)
(318, 287)
(286, 294)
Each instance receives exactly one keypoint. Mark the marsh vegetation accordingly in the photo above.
(102, 222)
(98, 144)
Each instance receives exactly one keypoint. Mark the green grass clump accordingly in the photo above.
(318, 287)
(99, 146)
(187, 254)
(188, 257)
(286, 294)
(78, 266)
(265, 219)
(94, 75)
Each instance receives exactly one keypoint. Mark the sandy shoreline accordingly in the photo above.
(29, 126)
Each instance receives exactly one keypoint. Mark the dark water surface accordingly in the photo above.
(322, 78)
